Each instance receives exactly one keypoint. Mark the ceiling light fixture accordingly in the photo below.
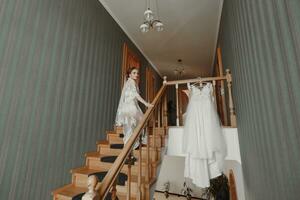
(150, 22)
(179, 70)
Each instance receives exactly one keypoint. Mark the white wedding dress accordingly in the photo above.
(203, 142)
(129, 114)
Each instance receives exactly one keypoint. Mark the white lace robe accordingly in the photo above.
(129, 114)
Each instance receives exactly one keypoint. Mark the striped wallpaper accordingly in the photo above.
(260, 41)
(60, 64)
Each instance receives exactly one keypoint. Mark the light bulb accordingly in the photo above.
(148, 15)
(158, 26)
(144, 28)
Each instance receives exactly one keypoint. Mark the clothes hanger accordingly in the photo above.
(200, 83)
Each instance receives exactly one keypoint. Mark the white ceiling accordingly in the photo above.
(190, 33)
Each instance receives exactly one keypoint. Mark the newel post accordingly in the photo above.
(231, 107)
(93, 188)
(165, 80)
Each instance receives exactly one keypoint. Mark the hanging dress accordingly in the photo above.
(203, 142)
(129, 114)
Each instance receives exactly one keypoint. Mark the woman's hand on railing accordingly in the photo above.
(149, 105)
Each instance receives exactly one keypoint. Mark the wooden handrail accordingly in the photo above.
(112, 174)
(196, 80)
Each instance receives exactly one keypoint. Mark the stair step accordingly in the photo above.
(68, 192)
(105, 149)
(100, 162)
(118, 129)
(114, 138)
(71, 192)
(112, 159)
(94, 162)
(121, 146)
(80, 176)
(102, 142)
(79, 197)
(106, 144)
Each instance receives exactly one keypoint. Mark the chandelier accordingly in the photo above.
(178, 71)
(149, 21)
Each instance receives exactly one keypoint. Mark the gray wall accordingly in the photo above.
(60, 63)
(260, 41)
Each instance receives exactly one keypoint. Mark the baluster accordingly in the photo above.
(162, 111)
(180, 107)
(214, 92)
(165, 119)
(222, 85)
(222, 91)
(139, 192)
(114, 191)
(148, 173)
(177, 105)
(148, 168)
(154, 136)
(153, 149)
(130, 162)
(165, 111)
(158, 114)
(231, 107)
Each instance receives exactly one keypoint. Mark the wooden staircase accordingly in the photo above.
(99, 162)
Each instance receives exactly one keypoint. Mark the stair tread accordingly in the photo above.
(103, 142)
(144, 147)
(99, 156)
(89, 171)
(94, 154)
(109, 164)
(112, 159)
(101, 174)
(116, 134)
(72, 191)
(76, 192)
(86, 171)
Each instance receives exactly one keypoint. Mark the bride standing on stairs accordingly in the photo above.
(129, 114)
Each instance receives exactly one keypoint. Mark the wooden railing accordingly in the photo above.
(112, 174)
(159, 123)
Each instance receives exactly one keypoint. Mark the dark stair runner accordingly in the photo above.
(117, 146)
(111, 159)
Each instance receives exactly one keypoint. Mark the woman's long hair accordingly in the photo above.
(129, 70)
